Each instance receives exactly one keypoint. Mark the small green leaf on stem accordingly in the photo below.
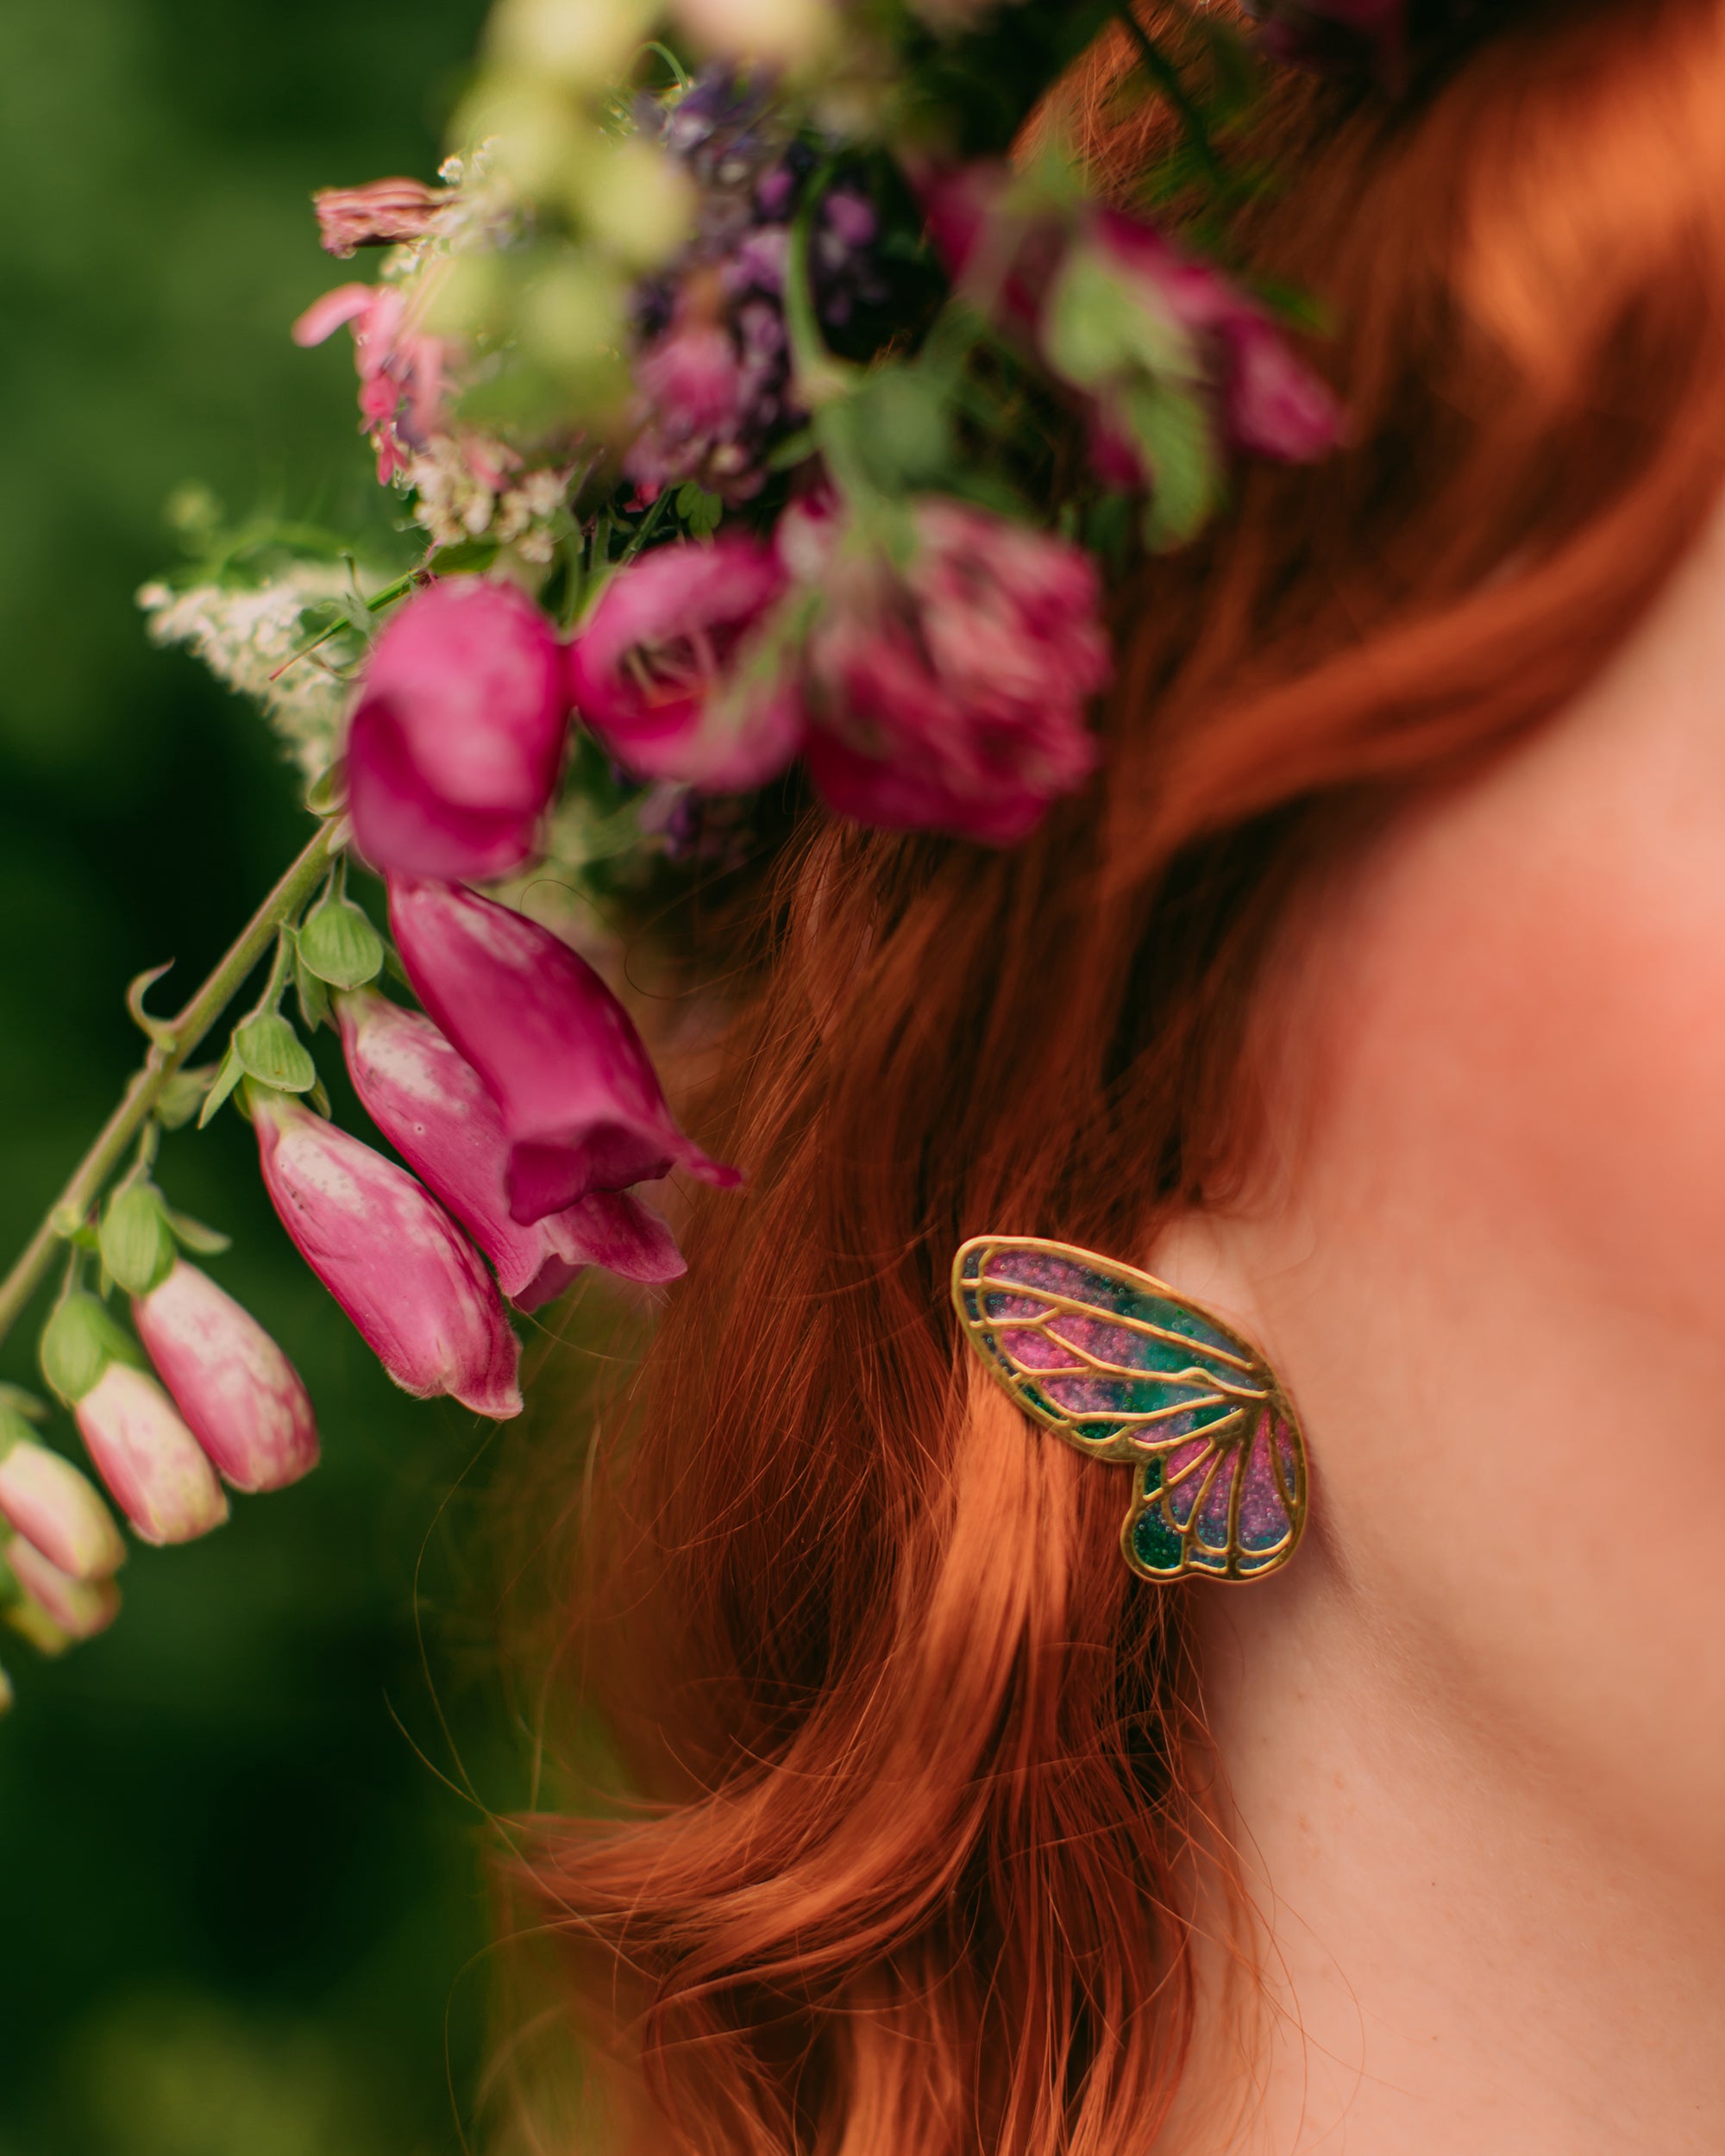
(326, 792)
(232, 1070)
(192, 1235)
(137, 1243)
(313, 996)
(135, 993)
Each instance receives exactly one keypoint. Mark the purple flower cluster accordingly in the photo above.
(713, 371)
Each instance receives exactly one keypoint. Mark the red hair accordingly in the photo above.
(918, 1784)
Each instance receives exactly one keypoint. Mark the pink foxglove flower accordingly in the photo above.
(401, 369)
(382, 213)
(79, 1607)
(453, 747)
(43, 1495)
(238, 1391)
(432, 1106)
(414, 1286)
(951, 694)
(582, 1108)
(154, 1467)
(677, 672)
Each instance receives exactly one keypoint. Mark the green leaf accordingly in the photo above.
(699, 511)
(1176, 438)
(229, 1074)
(1100, 325)
(15, 1401)
(338, 945)
(183, 1095)
(466, 554)
(894, 433)
(79, 1341)
(794, 449)
(137, 1243)
(272, 1052)
(193, 1236)
(314, 997)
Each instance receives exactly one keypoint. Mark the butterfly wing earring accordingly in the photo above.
(1126, 1370)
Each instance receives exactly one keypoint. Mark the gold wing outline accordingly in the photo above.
(1126, 1368)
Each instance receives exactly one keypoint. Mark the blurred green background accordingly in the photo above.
(241, 1911)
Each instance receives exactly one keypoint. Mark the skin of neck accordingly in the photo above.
(1472, 1739)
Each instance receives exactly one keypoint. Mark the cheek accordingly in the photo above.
(1541, 1023)
(1500, 1285)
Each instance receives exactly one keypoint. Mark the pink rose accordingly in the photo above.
(951, 695)
(674, 675)
(433, 1107)
(414, 1286)
(582, 1104)
(454, 745)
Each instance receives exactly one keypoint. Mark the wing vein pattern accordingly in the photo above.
(1128, 1370)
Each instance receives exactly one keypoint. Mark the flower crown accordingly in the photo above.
(761, 416)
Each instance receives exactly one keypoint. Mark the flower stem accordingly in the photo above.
(174, 1041)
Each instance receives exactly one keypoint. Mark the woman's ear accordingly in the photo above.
(1204, 1257)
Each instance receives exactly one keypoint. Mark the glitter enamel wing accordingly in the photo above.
(1128, 1370)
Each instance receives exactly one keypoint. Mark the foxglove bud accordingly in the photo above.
(80, 1609)
(150, 1461)
(48, 1501)
(239, 1392)
(582, 1106)
(433, 1107)
(411, 1282)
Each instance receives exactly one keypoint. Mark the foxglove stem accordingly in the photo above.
(175, 1041)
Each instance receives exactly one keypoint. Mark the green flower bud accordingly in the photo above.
(340, 946)
(79, 1342)
(268, 1050)
(137, 1243)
